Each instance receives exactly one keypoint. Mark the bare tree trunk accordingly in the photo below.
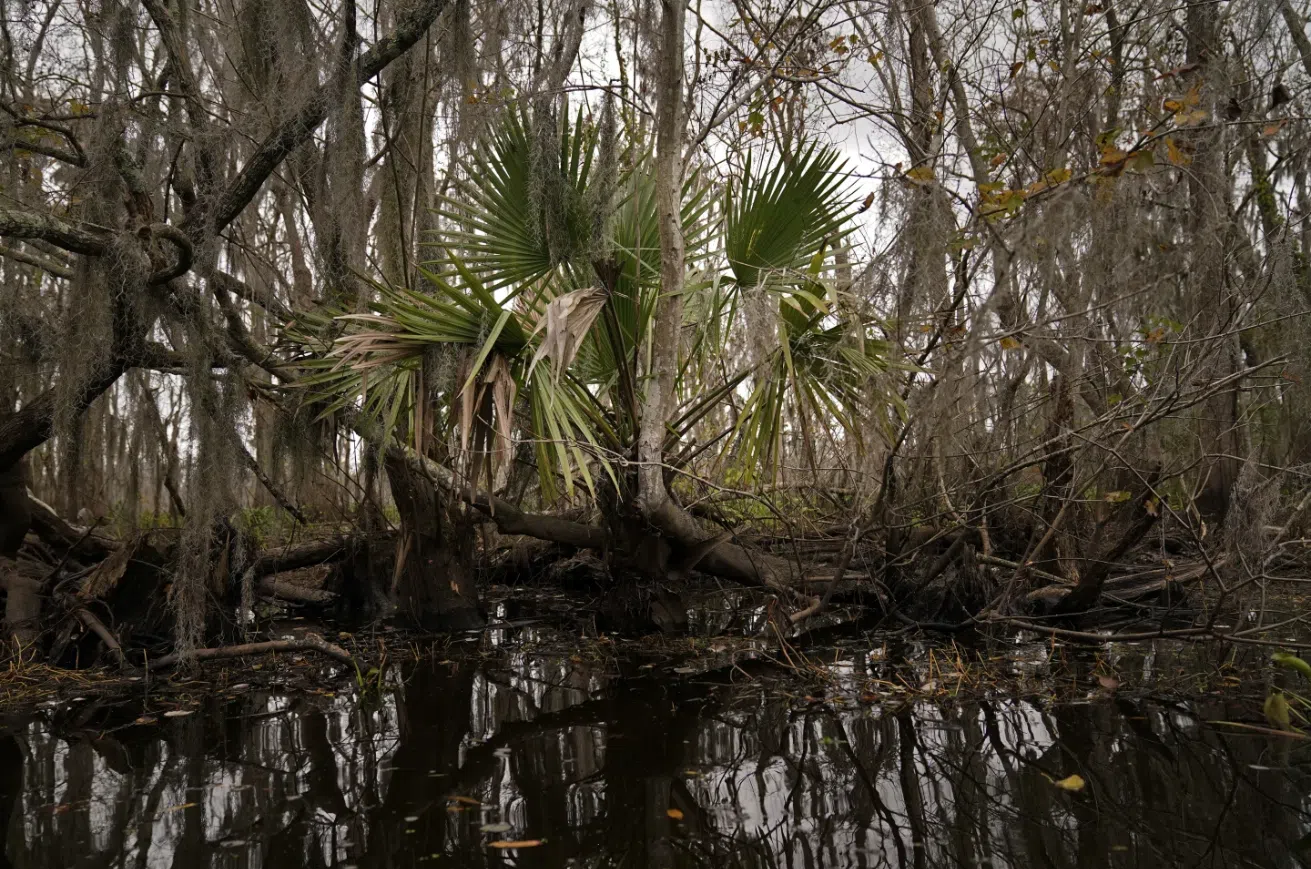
(659, 398)
(1214, 299)
(433, 580)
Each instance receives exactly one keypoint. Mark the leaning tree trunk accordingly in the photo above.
(434, 582)
(22, 600)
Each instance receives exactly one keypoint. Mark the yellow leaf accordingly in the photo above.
(1175, 154)
(1140, 161)
(1172, 106)
(1059, 176)
(923, 174)
(1152, 506)
(1116, 497)
(1276, 711)
(1010, 343)
(998, 159)
(1016, 67)
(1188, 119)
(1111, 156)
(524, 843)
(675, 814)
(1272, 129)
(1070, 783)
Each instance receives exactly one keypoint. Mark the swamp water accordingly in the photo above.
(527, 747)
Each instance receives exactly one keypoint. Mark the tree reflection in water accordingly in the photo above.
(610, 765)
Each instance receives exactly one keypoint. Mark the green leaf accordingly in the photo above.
(1292, 662)
(1277, 711)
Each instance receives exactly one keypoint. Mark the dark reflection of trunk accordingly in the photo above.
(910, 784)
(1075, 730)
(875, 739)
(645, 748)
(969, 778)
(190, 848)
(322, 788)
(11, 792)
(1024, 845)
(538, 771)
(648, 771)
(433, 713)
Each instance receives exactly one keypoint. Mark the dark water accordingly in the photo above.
(609, 763)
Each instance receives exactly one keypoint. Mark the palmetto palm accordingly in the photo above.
(547, 276)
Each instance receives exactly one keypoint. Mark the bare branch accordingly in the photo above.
(27, 224)
(296, 130)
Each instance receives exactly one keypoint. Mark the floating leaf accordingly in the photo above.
(525, 843)
(495, 828)
(675, 814)
(1071, 783)
(1110, 683)
(178, 713)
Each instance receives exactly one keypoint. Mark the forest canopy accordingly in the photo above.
(957, 314)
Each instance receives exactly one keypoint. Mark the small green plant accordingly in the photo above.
(1282, 704)
(259, 523)
(371, 684)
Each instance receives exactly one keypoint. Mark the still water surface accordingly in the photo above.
(601, 761)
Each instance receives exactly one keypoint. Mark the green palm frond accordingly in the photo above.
(528, 247)
(522, 210)
(785, 215)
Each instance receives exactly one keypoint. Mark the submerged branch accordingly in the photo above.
(308, 643)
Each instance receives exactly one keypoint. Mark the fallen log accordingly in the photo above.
(307, 643)
(295, 593)
(303, 555)
(80, 541)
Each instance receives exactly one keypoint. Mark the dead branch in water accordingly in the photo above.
(308, 643)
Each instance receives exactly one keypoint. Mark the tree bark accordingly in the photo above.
(434, 585)
(1215, 301)
(658, 400)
